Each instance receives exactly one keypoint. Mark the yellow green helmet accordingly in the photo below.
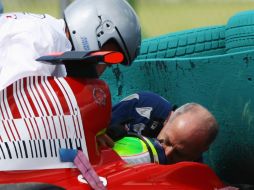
(139, 149)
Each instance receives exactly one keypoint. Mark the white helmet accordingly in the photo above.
(92, 23)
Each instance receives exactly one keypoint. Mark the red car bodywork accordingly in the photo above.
(94, 103)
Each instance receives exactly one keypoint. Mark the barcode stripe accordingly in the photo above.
(40, 148)
(59, 142)
(25, 149)
(63, 103)
(46, 105)
(56, 103)
(31, 148)
(8, 150)
(44, 126)
(32, 91)
(79, 127)
(29, 132)
(51, 151)
(28, 108)
(47, 96)
(37, 127)
(71, 147)
(67, 99)
(53, 97)
(75, 127)
(32, 126)
(44, 148)
(54, 127)
(31, 108)
(77, 144)
(20, 108)
(73, 102)
(27, 97)
(41, 109)
(61, 126)
(37, 103)
(49, 129)
(42, 106)
(23, 99)
(3, 114)
(55, 147)
(66, 144)
(20, 150)
(80, 144)
(63, 85)
(37, 96)
(8, 112)
(11, 130)
(17, 156)
(35, 149)
(16, 129)
(66, 135)
(2, 151)
(55, 107)
(6, 131)
(42, 98)
(18, 101)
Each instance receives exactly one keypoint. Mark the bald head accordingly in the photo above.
(188, 133)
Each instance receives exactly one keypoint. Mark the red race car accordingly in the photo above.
(42, 115)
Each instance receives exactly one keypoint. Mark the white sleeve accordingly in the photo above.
(21, 46)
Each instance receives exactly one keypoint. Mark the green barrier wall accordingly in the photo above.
(225, 85)
(212, 66)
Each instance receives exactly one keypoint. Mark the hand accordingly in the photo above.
(104, 141)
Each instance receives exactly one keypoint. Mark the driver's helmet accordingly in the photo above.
(136, 149)
(94, 22)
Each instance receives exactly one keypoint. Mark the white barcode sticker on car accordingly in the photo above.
(37, 118)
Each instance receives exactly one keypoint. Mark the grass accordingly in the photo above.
(160, 18)
(156, 16)
(51, 7)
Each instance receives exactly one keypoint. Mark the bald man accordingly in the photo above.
(187, 133)
(184, 133)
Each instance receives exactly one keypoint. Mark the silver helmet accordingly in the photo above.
(92, 23)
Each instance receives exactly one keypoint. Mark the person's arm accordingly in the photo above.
(121, 117)
(22, 42)
(117, 131)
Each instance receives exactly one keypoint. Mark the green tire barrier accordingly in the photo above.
(198, 42)
(240, 32)
(222, 81)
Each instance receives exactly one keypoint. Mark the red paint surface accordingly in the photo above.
(119, 175)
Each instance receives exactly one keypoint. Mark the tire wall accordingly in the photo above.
(212, 66)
